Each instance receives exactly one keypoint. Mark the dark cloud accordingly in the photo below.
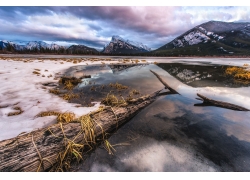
(153, 26)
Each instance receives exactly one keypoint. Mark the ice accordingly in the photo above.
(20, 87)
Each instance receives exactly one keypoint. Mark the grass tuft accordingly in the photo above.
(238, 73)
(54, 91)
(19, 111)
(61, 117)
(118, 86)
(69, 96)
(112, 100)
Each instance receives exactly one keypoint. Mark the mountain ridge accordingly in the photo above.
(210, 38)
(118, 45)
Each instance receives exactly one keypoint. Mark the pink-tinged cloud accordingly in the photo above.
(151, 25)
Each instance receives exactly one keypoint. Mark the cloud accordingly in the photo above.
(151, 25)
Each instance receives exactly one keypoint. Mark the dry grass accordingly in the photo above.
(61, 117)
(54, 91)
(48, 113)
(112, 100)
(35, 72)
(118, 86)
(109, 147)
(134, 92)
(69, 96)
(65, 117)
(68, 85)
(74, 151)
(19, 111)
(238, 73)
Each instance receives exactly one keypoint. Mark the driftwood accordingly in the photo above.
(211, 102)
(39, 150)
(164, 83)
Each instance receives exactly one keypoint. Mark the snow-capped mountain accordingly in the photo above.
(211, 38)
(119, 45)
(41, 44)
(28, 45)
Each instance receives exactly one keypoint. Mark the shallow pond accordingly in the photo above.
(172, 134)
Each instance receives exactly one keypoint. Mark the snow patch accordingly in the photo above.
(20, 87)
(195, 37)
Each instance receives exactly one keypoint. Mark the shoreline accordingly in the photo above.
(121, 56)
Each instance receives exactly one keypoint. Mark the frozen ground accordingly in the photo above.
(21, 88)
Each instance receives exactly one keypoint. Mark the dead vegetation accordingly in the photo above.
(17, 112)
(36, 72)
(68, 84)
(240, 74)
(118, 86)
(61, 117)
(69, 96)
(112, 100)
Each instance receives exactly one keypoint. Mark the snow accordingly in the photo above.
(195, 37)
(116, 38)
(178, 43)
(209, 33)
(20, 87)
(201, 28)
(221, 48)
(32, 44)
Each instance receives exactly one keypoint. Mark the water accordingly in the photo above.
(172, 134)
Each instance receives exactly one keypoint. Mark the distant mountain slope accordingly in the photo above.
(43, 47)
(118, 45)
(211, 38)
(81, 49)
(29, 45)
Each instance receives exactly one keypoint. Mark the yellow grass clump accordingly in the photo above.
(238, 73)
(112, 100)
(134, 91)
(118, 86)
(68, 85)
(61, 117)
(54, 91)
(69, 96)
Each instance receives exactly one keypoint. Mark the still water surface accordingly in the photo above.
(172, 134)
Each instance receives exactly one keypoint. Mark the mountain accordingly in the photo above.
(43, 47)
(211, 38)
(40, 44)
(118, 45)
(81, 49)
(28, 45)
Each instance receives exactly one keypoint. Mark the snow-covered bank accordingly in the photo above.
(20, 87)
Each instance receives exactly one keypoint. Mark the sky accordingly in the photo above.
(94, 26)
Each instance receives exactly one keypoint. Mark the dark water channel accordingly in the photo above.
(172, 134)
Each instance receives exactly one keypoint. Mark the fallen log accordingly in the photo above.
(164, 83)
(211, 102)
(52, 148)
